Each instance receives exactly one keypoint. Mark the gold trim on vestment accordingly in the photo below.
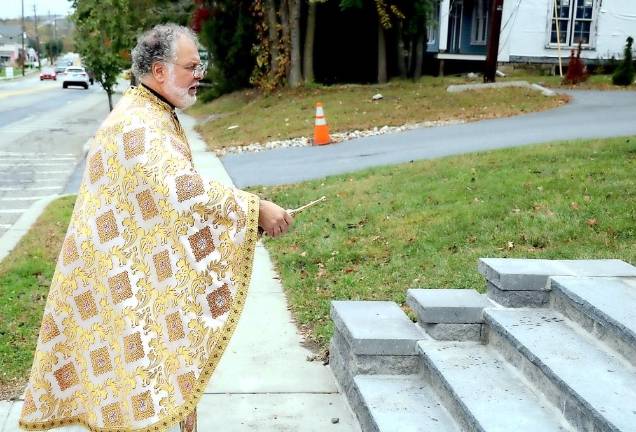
(239, 268)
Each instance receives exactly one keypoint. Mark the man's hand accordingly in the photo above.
(273, 219)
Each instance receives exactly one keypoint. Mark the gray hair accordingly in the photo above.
(157, 45)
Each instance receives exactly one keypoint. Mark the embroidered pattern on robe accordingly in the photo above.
(149, 285)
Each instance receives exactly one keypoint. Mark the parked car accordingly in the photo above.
(75, 76)
(61, 66)
(48, 73)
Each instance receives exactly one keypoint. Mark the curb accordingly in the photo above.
(11, 238)
(524, 84)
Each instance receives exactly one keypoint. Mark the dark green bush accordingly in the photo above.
(624, 74)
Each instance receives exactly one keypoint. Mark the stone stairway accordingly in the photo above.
(550, 347)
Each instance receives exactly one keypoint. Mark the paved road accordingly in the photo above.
(43, 129)
(591, 114)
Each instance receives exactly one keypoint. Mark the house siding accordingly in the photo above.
(525, 27)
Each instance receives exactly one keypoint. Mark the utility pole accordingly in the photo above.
(494, 30)
(54, 25)
(37, 37)
(23, 32)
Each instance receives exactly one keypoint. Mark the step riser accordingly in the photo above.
(621, 341)
(580, 415)
(360, 408)
(460, 413)
(454, 332)
(346, 365)
(517, 298)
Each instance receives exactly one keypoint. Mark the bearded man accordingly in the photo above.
(154, 268)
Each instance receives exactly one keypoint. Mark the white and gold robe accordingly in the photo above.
(149, 285)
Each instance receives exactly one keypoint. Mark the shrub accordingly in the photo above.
(624, 74)
(577, 72)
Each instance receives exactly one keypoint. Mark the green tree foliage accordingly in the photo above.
(53, 48)
(411, 35)
(103, 38)
(405, 22)
(624, 74)
(227, 29)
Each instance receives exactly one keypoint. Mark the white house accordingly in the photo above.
(9, 54)
(529, 29)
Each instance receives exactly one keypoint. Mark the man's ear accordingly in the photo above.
(160, 71)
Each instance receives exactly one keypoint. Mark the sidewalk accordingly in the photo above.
(264, 381)
(17, 75)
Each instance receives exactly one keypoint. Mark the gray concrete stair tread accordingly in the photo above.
(447, 305)
(603, 381)
(403, 403)
(376, 327)
(493, 392)
(612, 300)
(532, 274)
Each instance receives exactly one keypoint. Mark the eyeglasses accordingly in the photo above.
(198, 71)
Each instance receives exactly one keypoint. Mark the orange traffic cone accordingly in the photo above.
(321, 130)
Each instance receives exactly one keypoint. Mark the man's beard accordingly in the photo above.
(179, 94)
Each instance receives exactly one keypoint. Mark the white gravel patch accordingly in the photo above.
(335, 137)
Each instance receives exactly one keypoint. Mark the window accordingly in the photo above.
(479, 32)
(575, 21)
(432, 25)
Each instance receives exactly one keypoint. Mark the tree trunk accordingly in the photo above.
(109, 92)
(401, 60)
(410, 58)
(382, 75)
(295, 71)
(308, 56)
(284, 21)
(419, 55)
(272, 27)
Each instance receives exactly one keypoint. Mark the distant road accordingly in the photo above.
(591, 114)
(43, 129)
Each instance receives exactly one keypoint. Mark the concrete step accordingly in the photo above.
(594, 387)
(399, 403)
(514, 282)
(605, 307)
(484, 392)
(375, 327)
(372, 338)
(449, 314)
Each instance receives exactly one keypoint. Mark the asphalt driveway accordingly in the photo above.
(591, 114)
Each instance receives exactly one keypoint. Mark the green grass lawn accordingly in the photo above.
(25, 276)
(425, 224)
(384, 230)
(594, 82)
(291, 112)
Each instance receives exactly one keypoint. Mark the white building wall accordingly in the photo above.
(525, 27)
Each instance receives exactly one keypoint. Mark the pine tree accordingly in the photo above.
(624, 74)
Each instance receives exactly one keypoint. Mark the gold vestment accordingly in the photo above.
(149, 285)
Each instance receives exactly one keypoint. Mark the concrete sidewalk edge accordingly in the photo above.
(11, 238)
